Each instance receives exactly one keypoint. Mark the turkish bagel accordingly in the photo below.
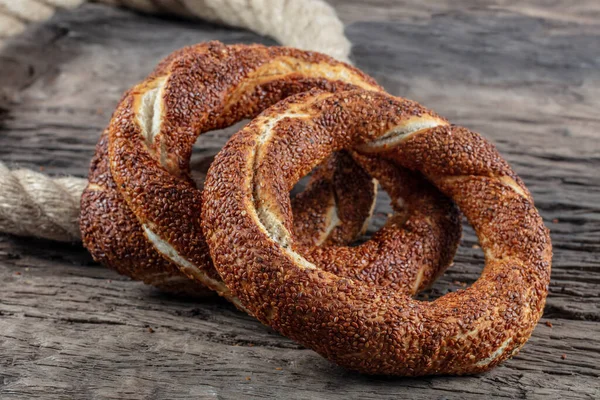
(141, 209)
(369, 328)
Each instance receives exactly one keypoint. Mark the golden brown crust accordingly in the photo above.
(111, 231)
(113, 236)
(369, 328)
(141, 211)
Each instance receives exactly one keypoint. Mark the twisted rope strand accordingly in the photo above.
(308, 24)
(33, 204)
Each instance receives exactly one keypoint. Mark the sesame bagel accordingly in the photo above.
(141, 210)
(375, 329)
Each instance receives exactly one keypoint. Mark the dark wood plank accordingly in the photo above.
(524, 75)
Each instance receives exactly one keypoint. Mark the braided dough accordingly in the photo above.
(141, 210)
(372, 328)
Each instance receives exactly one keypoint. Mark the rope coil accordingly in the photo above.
(33, 204)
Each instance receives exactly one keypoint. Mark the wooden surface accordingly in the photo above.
(524, 73)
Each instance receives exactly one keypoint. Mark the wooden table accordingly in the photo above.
(524, 73)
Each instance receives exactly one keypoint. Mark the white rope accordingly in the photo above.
(33, 204)
(16, 14)
(305, 24)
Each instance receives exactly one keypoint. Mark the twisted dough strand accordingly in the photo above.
(193, 90)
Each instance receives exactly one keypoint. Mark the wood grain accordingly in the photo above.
(525, 74)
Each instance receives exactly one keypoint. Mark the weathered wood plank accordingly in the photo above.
(79, 333)
(525, 75)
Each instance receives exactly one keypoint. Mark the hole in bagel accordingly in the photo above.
(468, 262)
(206, 147)
(400, 247)
(382, 212)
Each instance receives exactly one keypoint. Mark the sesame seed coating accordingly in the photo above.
(141, 211)
(375, 329)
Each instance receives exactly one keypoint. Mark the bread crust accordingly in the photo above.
(372, 328)
(141, 210)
